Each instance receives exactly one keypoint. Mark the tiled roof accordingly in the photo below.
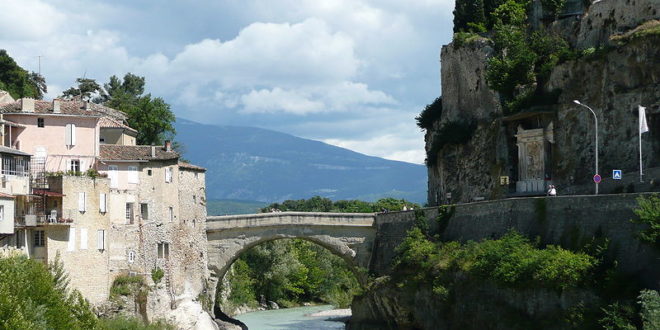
(189, 166)
(66, 107)
(107, 122)
(118, 152)
(3, 195)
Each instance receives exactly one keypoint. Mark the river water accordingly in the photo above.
(289, 318)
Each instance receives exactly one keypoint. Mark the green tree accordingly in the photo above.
(86, 89)
(31, 297)
(151, 117)
(648, 213)
(17, 81)
(469, 16)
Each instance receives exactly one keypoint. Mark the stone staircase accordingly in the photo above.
(168, 286)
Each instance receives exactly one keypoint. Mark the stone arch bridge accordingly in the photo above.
(348, 235)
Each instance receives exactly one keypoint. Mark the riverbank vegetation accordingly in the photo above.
(292, 272)
(37, 296)
(592, 292)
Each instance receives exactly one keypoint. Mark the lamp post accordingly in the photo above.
(596, 122)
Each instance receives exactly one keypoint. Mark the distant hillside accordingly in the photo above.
(231, 207)
(248, 163)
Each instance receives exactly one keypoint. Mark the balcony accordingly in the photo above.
(58, 218)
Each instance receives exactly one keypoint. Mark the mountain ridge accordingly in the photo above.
(251, 163)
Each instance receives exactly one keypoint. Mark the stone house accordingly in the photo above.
(103, 204)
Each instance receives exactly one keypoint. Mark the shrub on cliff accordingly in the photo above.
(430, 114)
(648, 213)
(511, 261)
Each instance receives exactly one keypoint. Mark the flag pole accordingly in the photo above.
(640, 148)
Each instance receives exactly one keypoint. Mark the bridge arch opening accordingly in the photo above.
(288, 271)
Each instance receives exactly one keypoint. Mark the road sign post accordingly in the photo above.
(597, 178)
(617, 174)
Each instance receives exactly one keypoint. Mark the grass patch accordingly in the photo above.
(647, 29)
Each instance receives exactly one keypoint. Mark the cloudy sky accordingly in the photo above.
(353, 73)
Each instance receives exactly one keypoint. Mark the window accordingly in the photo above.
(70, 135)
(40, 122)
(144, 211)
(131, 257)
(2, 212)
(194, 199)
(72, 239)
(113, 175)
(39, 238)
(164, 250)
(129, 213)
(103, 205)
(171, 210)
(74, 165)
(100, 239)
(82, 207)
(83, 238)
(149, 172)
(168, 174)
(133, 174)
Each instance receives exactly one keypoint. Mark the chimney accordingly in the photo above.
(168, 145)
(153, 152)
(56, 105)
(88, 106)
(27, 104)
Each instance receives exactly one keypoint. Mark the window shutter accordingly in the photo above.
(100, 239)
(83, 238)
(68, 164)
(102, 203)
(168, 174)
(72, 239)
(81, 201)
(67, 134)
(73, 134)
(82, 166)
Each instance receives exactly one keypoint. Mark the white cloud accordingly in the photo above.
(28, 19)
(267, 54)
(278, 100)
(347, 68)
(402, 147)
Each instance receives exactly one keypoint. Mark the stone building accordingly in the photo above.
(100, 203)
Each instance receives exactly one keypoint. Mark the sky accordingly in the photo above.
(352, 73)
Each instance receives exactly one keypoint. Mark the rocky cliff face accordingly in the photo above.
(613, 78)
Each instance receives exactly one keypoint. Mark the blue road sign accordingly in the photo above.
(617, 175)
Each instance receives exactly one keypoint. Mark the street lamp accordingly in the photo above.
(595, 121)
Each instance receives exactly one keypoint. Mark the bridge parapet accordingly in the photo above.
(215, 223)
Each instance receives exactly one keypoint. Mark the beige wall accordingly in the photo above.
(7, 220)
(52, 138)
(87, 266)
(122, 174)
(116, 136)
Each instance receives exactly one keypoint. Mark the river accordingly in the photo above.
(289, 318)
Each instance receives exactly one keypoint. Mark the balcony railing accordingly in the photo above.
(65, 218)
